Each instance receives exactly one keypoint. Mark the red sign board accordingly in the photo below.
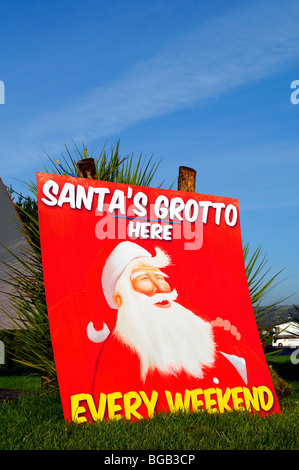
(148, 301)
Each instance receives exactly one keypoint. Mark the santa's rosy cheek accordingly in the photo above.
(144, 287)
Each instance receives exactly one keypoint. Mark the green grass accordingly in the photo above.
(36, 423)
(21, 382)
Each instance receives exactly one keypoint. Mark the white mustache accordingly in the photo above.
(170, 296)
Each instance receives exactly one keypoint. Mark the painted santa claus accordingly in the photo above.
(158, 344)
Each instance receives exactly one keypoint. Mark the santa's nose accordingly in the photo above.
(160, 286)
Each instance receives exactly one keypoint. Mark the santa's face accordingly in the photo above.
(149, 280)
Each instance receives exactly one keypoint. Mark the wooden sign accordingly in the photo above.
(148, 302)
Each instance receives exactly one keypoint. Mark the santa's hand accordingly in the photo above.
(227, 326)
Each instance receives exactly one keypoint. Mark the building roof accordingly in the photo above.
(12, 239)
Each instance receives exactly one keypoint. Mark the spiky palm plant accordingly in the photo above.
(260, 283)
(110, 166)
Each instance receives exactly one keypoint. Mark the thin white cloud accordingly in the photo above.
(247, 44)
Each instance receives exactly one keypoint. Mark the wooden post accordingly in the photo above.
(187, 179)
(87, 168)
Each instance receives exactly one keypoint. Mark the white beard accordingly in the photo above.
(169, 339)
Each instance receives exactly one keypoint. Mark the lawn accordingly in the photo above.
(36, 423)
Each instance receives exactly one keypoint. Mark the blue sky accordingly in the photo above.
(196, 83)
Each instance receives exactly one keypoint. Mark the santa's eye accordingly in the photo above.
(142, 278)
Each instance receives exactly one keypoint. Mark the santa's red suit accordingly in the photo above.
(236, 365)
